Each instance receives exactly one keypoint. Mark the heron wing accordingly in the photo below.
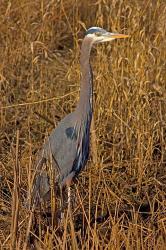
(61, 146)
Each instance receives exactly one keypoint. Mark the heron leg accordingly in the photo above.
(62, 205)
(69, 197)
(61, 211)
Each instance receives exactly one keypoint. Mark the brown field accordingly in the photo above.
(124, 182)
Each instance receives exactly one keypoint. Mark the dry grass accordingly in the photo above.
(39, 76)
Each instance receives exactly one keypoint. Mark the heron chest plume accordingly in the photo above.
(84, 108)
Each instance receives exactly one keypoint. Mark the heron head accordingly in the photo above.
(99, 35)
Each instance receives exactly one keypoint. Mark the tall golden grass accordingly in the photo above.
(125, 178)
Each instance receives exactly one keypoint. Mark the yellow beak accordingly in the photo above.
(108, 36)
(114, 35)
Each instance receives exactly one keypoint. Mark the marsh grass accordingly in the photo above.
(125, 179)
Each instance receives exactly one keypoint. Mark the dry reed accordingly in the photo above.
(125, 180)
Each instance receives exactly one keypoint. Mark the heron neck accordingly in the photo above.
(85, 103)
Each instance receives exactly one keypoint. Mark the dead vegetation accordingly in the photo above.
(124, 184)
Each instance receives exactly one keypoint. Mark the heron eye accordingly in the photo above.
(97, 33)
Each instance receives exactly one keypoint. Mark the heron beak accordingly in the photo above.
(114, 35)
(111, 36)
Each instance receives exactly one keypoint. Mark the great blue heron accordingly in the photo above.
(67, 147)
